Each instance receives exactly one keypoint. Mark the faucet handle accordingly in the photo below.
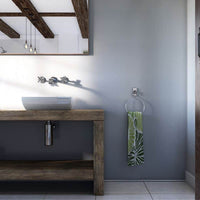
(64, 80)
(53, 81)
(42, 79)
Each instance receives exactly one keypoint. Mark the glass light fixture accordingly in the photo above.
(26, 45)
(26, 42)
(31, 47)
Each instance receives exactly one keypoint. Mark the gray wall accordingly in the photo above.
(138, 43)
(191, 87)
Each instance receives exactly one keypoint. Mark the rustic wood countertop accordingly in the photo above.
(59, 115)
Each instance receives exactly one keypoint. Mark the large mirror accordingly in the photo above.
(37, 27)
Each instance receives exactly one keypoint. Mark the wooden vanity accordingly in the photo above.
(59, 170)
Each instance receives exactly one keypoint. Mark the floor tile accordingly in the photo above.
(173, 196)
(169, 188)
(21, 197)
(69, 197)
(125, 197)
(125, 188)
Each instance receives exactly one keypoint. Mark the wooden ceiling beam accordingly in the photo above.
(42, 14)
(28, 9)
(57, 14)
(6, 29)
(81, 10)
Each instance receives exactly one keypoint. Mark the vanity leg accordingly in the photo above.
(98, 138)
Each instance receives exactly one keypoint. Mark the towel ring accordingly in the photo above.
(135, 97)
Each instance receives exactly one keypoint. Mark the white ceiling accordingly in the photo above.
(53, 5)
(58, 25)
(40, 5)
(8, 6)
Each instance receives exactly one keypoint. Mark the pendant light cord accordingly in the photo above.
(35, 49)
(26, 29)
(30, 34)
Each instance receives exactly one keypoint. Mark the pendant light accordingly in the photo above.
(31, 47)
(26, 42)
(35, 49)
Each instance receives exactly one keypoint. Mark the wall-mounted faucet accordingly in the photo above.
(53, 81)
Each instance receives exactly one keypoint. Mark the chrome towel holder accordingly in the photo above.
(135, 103)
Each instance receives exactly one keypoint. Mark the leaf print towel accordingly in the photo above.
(135, 139)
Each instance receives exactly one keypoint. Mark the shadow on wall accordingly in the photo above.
(54, 81)
(27, 143)
(43, 91)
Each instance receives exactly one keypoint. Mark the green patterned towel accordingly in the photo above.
(135, 139)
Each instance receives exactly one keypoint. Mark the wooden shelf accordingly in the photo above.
(59, 170)
(62, 115)
(46, 170)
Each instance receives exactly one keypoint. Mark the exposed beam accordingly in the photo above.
(6, 29)
(59, 14)
(14, 14)
(31, 13)
(81, 10)
(43, 14)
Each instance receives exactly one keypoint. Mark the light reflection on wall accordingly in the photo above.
(18, 78)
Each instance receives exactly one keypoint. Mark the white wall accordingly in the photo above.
(191, 86)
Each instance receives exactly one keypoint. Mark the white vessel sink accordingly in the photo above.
(46, 103)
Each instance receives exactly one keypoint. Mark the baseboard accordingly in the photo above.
(149, 180)
(190, 179)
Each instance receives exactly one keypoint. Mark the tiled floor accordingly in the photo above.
(123, 191)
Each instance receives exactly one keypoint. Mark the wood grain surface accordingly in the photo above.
(43, 115)
(46, 170)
